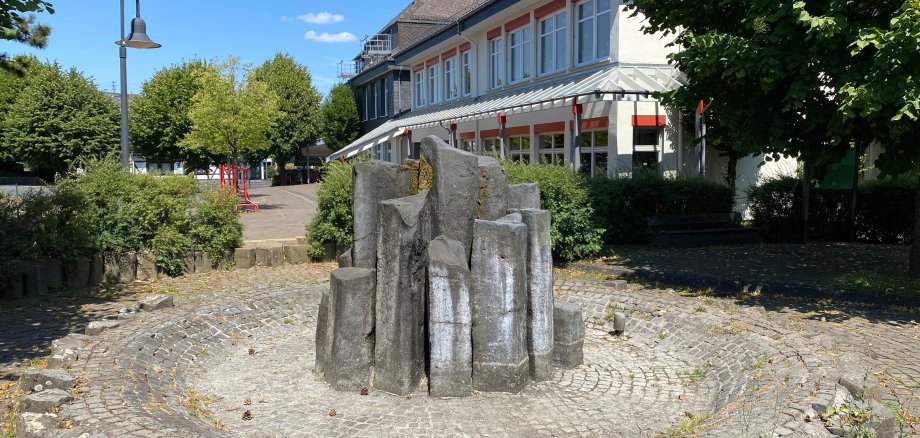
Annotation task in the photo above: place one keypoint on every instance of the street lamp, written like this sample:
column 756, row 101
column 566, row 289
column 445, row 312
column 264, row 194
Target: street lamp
column 138, row 39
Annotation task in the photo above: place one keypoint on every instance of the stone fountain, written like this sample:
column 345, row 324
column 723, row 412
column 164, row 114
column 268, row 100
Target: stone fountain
column 448, row 284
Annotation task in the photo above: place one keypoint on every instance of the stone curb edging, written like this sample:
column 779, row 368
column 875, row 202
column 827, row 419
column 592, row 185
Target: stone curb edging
column 725, row 287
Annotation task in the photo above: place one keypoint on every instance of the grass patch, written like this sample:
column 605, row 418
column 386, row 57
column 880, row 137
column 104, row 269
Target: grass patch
column 730, row 327
column 694, row 424
column 199, row 406
column 885, row 282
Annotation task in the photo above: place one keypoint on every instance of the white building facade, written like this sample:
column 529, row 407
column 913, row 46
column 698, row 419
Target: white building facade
column 538, row 66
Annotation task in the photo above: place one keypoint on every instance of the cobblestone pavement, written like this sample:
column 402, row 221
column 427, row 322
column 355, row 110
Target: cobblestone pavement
column 749, row 366
column 284, row 211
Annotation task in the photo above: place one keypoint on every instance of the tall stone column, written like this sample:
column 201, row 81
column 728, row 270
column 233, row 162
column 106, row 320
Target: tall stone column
column 401, row 245
column 524, row 196
column 499, row 306
column 452, row 198
column 349, row 353
column 372, row 182
column 449, row 320
column 492, row 197
column 540, row 293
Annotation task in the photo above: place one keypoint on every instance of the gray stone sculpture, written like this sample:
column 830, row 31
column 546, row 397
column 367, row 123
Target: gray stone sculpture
column 449, row 278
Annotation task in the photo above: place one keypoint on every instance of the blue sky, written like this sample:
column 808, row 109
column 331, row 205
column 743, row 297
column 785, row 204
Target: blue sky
column 316, row 33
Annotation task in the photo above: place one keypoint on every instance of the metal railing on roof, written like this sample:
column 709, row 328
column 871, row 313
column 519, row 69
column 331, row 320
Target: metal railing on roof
column 377, row 45
column 350, row 68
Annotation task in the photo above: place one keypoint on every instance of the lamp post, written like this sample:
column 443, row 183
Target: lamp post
column 138, row 39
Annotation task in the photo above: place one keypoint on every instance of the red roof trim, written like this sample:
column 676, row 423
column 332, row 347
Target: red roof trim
column 465, row 46
column 432, row 61
column 449, row 53
column 549, row 8
column 494, row 33
column 649, row 121
column 542, row 128
column 523, row 20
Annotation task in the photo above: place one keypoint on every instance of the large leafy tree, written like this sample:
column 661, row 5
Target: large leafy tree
column 58, row 119
column 298, row 100
column 160, row 115
column 886, row 99
column 12, row 82
column 231, row 115
column 340, row 121
column 17, row 23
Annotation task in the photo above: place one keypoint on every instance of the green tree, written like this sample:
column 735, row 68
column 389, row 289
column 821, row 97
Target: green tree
column 299, row 103
column 231, row 115
column 340, row 121
column 18, row 24
column 58, row 119
column 886, row 99
column 12, row 82
column 160, row 115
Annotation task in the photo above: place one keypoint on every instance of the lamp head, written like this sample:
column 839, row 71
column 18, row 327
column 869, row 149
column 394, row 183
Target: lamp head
column 138, row 38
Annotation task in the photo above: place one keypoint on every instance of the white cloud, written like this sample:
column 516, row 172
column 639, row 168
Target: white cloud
column 285, row 18
column 321, row 18
column 325, row 37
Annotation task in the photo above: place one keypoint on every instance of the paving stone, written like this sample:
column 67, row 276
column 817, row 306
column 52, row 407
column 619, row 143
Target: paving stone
column 452, row 199
column 32, row 424
column 372, row 182
column 499, row 306
column 156, row 302
column 539, row 292
column 524, row 196
column 244, row 258
column 296, row 254
column 449, row 320
column 96, row 327
column 399, row 362
column 350, row 354
column 492, row 197
column 45, row 401
column 67, row 350
column 49, row 379
column 569, row 334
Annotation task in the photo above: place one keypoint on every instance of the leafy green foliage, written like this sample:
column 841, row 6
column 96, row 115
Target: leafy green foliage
column 340, row 121
column 17, row 23
column 623, row 205
column 333, row 221
column 231, row 114
column 299, row 103
column 58, row 119
column 880, row 213
column 564, row 193
column 160, row 115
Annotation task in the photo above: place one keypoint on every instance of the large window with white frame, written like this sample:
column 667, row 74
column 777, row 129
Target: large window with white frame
column 592, row 36
column 491, row 147
column 496, row 63
column 419, row 88
column 552, row 43
column 552, row 148
column 519, row 148
column 433, row 95
column 519, row 65
column 466, row 73
column 451, row 91
column 594, row 152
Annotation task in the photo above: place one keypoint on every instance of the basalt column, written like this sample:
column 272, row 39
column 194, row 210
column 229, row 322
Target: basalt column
column 372, row 182
column 540, row 293
column 449, row 320
column 452, row 198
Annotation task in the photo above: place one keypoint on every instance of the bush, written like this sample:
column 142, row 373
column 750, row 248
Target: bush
column 574, row 234
column 884, row 211
column 623, row 205
column 333, row 221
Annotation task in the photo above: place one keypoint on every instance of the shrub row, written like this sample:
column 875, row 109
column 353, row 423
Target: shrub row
column 332, row 223
column 106, row 209
column 623, row 205
column 884, row 211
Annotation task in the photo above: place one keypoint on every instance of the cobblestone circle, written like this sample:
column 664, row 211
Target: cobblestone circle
column 239, row 363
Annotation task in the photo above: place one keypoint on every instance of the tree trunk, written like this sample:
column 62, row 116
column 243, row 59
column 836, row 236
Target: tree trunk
column 731, row 175
column 281, row 177
column 806, row 197
column 915, row 246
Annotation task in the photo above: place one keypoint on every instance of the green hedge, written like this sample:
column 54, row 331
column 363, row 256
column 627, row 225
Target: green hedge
column 105, row 209
column 884, row 211
column 332, row 223
column 564, row 193
column 623, row 205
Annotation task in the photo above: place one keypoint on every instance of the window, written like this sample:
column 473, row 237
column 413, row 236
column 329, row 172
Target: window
column 594, row 152
column 519, row 55
column 496, row 69
column 645, row 148
column 552, row 148
column 366, row 100
column 419, row 89
column 383, row 98
column 592, row 41
column 646, row 160
column 450, row 79
column 552, row 43
column 433, row 95
column 372, row 99
column 519, row 149
column 646, row 136
column 469, row 146
column 490, row 146
column 466, row 73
